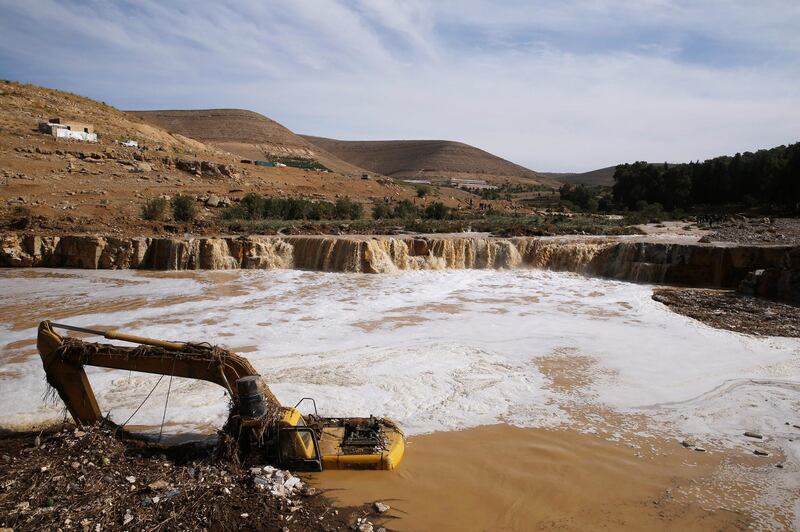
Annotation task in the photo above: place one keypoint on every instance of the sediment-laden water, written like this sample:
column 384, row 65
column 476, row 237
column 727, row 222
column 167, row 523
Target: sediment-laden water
column 434, row 350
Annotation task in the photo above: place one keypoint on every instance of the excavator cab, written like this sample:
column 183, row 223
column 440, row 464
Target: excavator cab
column 264, row 431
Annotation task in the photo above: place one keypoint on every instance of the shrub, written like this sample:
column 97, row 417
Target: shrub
column 423, row 190
column 251, row 207
column 346, row 209
column 381, row 211
column 406, row 210
column 436, row 211
column 155, row 209
column 183, row 208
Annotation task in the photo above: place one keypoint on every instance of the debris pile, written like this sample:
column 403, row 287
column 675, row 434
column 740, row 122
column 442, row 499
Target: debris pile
column 86, row 479
column 726, row 309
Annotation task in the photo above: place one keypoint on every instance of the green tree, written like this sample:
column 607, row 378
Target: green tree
column 406, row 210
column 183, row 208
column 436, row 211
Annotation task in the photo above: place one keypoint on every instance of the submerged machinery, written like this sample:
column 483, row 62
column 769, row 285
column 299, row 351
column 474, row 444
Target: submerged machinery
column 259, row 427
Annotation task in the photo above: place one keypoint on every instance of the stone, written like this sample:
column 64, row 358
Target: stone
column 759, row 452
column 75, row 465
column 131, row 479
column 213, row 201
column 365, row 527
column 127, row 518
column 255, row 470
column 753, row 435
column 158, row 485
column 292, row 482
column 381, row 507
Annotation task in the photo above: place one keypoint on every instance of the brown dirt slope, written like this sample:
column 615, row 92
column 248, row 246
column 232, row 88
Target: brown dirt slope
column 244, row 133
column 23, row 106
column 55, row 186
column 423, row 159
column 600, row 177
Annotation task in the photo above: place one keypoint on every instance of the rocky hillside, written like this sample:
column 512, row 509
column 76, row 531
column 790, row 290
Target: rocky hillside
column 245, row 133
column 50, row 185
column 422, row 159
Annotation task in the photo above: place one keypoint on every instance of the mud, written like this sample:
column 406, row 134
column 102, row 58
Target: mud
column 505, row 478
column 65, row 478
column 727, row 309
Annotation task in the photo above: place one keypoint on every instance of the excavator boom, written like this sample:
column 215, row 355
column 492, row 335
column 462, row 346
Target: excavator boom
column 257, row 422
column 64, row 358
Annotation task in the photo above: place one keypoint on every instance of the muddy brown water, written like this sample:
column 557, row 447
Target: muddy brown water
column 500, row 477
column 504, row 478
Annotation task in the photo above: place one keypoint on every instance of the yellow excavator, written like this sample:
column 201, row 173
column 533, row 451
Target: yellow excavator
column 262, row 430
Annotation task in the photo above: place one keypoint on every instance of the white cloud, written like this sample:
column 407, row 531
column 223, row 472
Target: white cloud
column 552, row 85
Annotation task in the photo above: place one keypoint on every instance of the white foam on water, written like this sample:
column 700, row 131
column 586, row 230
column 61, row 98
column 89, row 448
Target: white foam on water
column 433, row 350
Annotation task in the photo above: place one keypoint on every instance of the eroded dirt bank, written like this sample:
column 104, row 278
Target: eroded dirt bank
column 692, row 264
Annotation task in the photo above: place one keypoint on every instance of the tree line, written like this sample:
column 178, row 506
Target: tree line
column 766, row 177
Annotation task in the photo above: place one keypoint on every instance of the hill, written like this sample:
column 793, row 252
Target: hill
column 600, row 177
column 245, row 133
column 53, row 185
column 428, row 159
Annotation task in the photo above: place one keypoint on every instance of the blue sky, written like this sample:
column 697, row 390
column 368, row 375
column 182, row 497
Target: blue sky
column 554, row 85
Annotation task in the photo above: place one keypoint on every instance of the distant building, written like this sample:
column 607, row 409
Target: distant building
column 478, row 184
column 68, row 130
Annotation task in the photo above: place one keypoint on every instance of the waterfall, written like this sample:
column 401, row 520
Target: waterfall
column 656, row 262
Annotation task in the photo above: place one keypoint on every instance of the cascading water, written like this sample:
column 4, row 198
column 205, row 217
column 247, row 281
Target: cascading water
column 690, row 264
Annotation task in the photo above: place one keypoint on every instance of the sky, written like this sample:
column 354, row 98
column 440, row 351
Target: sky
column 554, row 85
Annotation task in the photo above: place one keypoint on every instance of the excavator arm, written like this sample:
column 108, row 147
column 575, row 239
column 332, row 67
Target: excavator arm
column 64, row 360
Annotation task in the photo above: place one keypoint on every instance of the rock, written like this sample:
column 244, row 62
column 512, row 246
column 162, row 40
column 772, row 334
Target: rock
column 292, row 482
column 245, row 515
column 759, row 452
column 106, row 460
column 309, row 491
column 79, row 433
column 158, row 485
column 75, row 465
column 687, row 443
column 699, row 449
column 753, row 435
column 127, row 518
column 365, row 527
column 255, row 470
column 261, row 483
column 142, row 167
column 171, row 493
column 381, row 508
column 213, row 201
column 131, row 479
